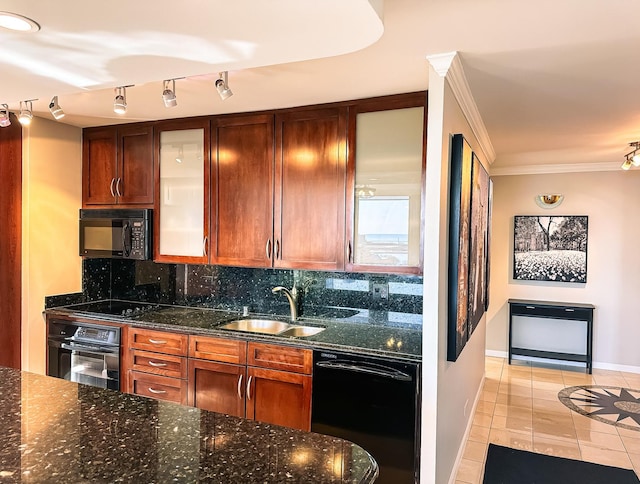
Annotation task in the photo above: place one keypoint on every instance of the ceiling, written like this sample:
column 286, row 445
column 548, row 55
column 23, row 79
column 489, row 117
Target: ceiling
column 555, row 82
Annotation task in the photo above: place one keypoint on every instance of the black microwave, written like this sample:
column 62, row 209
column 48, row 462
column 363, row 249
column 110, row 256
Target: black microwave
column 116, row 233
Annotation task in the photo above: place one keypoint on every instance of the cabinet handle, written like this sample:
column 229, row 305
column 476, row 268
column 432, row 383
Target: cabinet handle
column 157, row 392
column 530, row 307
column 156, row 364
column 268, row 249
column 349, row 251
column 118, row 186
column 158, row 341
column 277, row 255
column 240, row 386
column 569, row 310
column 249, row 388
column 205, row 242
column 113, row 194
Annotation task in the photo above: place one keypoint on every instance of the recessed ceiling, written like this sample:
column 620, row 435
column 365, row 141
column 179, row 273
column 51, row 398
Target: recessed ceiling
column 555, row 82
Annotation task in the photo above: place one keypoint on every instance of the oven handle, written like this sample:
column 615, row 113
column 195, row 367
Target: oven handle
column 96, row 350
column 377, row 370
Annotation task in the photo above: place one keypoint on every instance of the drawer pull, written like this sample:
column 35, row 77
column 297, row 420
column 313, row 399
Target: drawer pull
column 569, row 310
column 530, row 307
column 157, row 392
column 156, row 364
column 158, row 341
column 239, row 386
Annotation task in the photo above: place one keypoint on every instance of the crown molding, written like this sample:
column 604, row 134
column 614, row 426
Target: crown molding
column 556, row 168
column 449, row 66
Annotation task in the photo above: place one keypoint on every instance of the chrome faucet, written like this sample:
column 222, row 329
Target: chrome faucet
column 292, row 296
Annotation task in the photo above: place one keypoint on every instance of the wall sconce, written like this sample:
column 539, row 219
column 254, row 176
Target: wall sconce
column 633, row 157
column 548, row 200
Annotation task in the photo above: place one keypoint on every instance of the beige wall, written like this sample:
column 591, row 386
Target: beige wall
column 449, row 389
column 610, row 199
column 51, row 197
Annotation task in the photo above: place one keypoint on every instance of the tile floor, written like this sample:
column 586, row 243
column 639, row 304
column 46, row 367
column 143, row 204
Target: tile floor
column 519, row 408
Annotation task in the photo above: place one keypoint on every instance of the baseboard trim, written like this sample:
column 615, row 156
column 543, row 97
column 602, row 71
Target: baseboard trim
column 454, row 473
column 596, row 364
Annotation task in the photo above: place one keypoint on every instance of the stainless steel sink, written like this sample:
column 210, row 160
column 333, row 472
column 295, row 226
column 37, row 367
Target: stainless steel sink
column 301, row 331
column 271, row 326
column 267, row 326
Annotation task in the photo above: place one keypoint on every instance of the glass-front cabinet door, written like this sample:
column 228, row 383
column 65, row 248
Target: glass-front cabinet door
column 386, row 174
column 182, row 204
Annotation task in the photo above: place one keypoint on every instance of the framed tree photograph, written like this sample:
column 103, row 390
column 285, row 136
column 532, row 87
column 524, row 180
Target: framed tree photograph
column 550, row 248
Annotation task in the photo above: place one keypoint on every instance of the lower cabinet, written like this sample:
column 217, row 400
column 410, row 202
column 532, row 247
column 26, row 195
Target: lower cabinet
column 246, row 380
column 157, row 365
column 266, row 382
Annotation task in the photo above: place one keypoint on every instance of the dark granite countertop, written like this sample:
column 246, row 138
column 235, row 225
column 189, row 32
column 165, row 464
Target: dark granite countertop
column 358, row 331
column 54, row 430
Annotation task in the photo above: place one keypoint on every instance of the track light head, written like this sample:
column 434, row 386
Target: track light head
column 26, row 112
column 55, row 109
column 5, row 120
column 120, row 101
column 169, row 95
column 222, row 85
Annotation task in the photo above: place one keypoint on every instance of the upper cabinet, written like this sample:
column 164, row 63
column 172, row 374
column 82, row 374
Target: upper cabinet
column 118, row 166
column 310, row 179
column 387, row 144
column 242, row 202
column 183, row 179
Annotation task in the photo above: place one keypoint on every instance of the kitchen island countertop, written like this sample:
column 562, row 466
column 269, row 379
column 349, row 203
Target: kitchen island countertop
column 59, row 431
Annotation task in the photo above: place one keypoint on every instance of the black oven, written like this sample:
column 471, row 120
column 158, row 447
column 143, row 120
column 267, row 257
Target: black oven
column 84, row 353
column 116, row 233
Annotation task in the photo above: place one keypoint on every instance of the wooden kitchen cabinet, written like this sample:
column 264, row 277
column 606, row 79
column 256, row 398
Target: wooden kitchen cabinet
column 275, row 396
column 247, row 380
column 310, row 178
column 386, row 169
column 181, row 221
column 117, row 166
column 242, row 223
column 157, row 364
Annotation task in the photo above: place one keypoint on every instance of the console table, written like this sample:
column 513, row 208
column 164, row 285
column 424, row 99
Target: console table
column 562, row 331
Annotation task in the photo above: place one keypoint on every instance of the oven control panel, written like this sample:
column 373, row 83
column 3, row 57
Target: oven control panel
column 97, row 335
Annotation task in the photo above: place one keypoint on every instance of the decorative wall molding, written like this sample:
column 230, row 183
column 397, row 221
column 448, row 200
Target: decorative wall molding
column 449, row 66
column 559, row 168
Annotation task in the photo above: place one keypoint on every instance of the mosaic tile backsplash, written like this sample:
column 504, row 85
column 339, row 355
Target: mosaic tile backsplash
column 221, row 287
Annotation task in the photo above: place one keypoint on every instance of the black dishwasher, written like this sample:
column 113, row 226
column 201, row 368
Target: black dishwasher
column 373, row 402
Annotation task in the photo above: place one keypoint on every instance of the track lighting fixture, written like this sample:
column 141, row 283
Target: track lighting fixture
column 120, row 101
column 169, row 95
column 5, row 120
column 26, row 112
column 222, row 85
column 55, row 109
column 633, row 157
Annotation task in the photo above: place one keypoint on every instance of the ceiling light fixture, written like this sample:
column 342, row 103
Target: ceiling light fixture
column 5, row 119
column 222, row 85
column 20, row 23
column 120, row 101
column 633, row 157
column 26, row 112
column 549, row 200
column 55, row 109
column 169, row 95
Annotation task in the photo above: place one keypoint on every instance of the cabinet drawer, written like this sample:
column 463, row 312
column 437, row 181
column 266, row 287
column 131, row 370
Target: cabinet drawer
column 159, row 364
column 277, row 357
column 160, row 341
column 158, row 387
column 218, row 349
column 542, row 311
